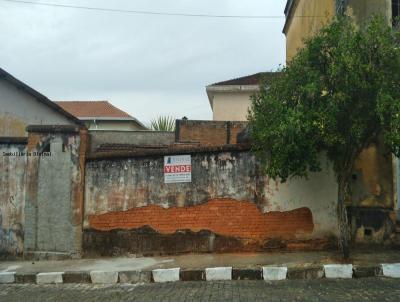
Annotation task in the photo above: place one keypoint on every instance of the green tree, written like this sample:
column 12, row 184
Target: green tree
column 163, row 123
column 337, row 96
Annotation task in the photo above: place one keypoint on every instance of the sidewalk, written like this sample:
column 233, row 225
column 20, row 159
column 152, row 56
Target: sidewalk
column 202, row 261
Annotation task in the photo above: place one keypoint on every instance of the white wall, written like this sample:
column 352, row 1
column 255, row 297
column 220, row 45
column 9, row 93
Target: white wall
column 19, row 109
column 318, row 193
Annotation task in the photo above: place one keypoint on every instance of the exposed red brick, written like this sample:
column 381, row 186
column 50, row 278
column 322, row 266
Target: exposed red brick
column 222, row 216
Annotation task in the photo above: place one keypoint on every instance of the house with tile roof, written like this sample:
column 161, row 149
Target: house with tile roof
column 101, row 115
column 21, row 105
column 230, row 100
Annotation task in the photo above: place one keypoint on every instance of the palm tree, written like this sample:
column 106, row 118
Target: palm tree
column 163, row 123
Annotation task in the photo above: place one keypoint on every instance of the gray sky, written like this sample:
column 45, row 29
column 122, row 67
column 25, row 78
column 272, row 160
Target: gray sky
column 145, row 65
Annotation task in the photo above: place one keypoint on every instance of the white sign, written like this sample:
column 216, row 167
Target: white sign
column 177, row 168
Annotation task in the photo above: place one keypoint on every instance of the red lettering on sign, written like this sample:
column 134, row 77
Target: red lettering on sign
column 178, row 169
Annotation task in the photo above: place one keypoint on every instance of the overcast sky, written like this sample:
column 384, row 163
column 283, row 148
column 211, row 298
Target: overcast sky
column 145, row 65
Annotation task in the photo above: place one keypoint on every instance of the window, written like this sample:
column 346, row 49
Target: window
column 395, row 10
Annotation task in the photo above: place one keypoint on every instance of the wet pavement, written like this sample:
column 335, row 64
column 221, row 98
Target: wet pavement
column 356, row 290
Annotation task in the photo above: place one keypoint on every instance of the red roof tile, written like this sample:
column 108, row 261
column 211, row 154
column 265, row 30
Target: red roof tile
column 92, row 109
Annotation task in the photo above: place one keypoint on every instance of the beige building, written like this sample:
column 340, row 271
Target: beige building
column 101, row 115
column 230, row 100
column 305, row 17
column 21, row 105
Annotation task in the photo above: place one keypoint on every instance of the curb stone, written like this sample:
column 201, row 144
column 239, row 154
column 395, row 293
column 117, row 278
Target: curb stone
column 77, row 277
column 269, row 273
column 246, row 274
column 366, row 271
column 7, row 277
column 192, row 275
column 391, row 270
column 133, row 277
column 307, row 273
column 25, row 278
column 338, row 271
column 103, row 277
column 49, row 278
column 166, row 275
column 218, row 273
column 274, row 273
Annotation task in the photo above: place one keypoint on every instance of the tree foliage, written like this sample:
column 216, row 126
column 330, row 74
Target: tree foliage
column 340, row 93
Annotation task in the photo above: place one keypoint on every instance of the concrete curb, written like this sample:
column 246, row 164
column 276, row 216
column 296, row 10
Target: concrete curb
column 268, row 273
column 7, row 277
column 338, row 271
column 218, row 273
column 274, row 273
column 49, row 278
column 166, row 275
column 391, row 270
column 103, row 277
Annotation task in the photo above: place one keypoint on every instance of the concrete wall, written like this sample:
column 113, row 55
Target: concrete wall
column 231, row 106
column 113, row 125
column 19, row 109
column 54, row 197
column 228, row 206
column 138, row 138
column 12, row 198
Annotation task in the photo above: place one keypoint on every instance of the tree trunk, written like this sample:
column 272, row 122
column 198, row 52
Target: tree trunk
column 344, row 233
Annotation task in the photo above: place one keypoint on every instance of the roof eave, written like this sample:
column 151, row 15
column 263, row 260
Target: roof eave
column 38, row 96
column 212, row 89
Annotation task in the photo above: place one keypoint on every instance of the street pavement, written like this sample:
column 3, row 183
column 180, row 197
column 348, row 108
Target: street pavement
column 366, row 289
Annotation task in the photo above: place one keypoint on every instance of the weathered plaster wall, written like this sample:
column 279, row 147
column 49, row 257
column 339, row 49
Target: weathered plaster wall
column 137, row 138
column 18, row 109
column 226, row 207
column 306, row 19
column 12, row 198
column 361, row 11
column 54, row 200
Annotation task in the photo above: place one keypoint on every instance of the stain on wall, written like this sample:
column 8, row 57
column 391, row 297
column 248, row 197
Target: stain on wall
column 12, row 198
column 372, row 184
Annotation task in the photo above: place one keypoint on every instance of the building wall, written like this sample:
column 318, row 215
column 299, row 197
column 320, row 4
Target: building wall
column 307, row 18
column 312, row 15
column 228, row 206
column 12, row 198
column 361, row 11
column 18, row 109
column 231, row 106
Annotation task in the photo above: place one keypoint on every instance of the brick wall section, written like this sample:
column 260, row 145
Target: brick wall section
column 222, row 216
column 208, row 132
